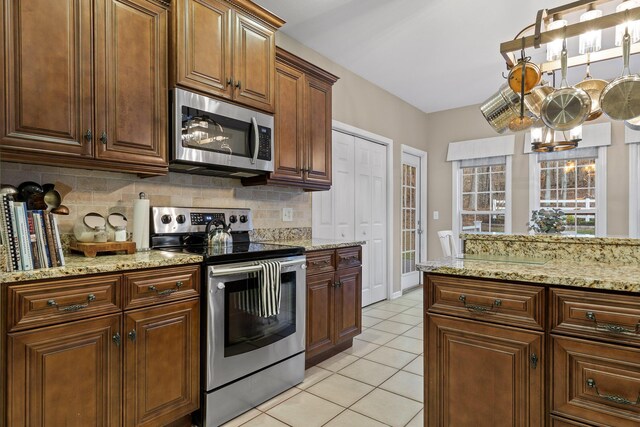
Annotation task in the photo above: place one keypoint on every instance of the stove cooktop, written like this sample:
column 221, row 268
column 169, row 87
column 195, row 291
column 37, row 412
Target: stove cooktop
column 245, row 251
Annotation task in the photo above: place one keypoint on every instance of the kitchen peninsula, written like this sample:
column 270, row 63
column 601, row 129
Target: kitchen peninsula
column 549, row 340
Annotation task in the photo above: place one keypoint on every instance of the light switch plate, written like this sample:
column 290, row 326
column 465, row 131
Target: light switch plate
column 287, row 214
column 436, row 215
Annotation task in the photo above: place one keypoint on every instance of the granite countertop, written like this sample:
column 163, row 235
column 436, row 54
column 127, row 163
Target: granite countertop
column 606, row 276
column 318, row 244
column 77, row 265
column 551, row 238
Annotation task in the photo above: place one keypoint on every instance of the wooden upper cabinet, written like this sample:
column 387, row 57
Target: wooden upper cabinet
column 203, row 46
column 132, row 125
column 318, row 120
column 221, row 50
column 84, row 83
column 289, row 124
column 46, row 91
column 254, row 62
column 67, row 375
column 302, row 145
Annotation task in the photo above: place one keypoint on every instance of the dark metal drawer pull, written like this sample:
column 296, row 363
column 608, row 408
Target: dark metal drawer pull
column 591, row 383
column 611, row 327
column 337, row 284
column 480, row 308
column 533, row 360
column 116, row 339
column 166, row 291
column 323, row 262
column 350, row 258
column 72, row 307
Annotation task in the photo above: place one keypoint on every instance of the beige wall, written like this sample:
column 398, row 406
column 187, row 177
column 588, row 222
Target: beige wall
column 362, row 104
column 468, row 123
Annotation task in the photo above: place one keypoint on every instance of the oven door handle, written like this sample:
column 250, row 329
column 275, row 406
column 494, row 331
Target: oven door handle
column 250, row 268
column 256, row 140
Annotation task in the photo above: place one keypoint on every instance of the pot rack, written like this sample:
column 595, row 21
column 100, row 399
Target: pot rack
column 540, row 37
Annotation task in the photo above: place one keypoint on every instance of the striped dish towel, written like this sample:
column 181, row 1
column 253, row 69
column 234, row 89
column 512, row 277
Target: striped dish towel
column 263, row 300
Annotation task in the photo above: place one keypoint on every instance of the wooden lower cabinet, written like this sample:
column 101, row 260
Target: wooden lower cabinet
column 84, row 367
column 485, row 376
column 66, row 375
column 334, row 304
column 161, row 358
column 479, row 369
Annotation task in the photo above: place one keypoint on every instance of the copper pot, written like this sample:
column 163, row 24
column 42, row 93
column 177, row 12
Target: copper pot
column 531, row 76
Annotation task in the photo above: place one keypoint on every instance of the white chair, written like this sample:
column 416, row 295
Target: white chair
column 448, row 243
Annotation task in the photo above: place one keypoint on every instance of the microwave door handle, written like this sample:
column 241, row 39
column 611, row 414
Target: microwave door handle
column 254, row 122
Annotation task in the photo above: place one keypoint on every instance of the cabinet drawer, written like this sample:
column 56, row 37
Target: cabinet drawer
column 149, row 287
column 595, row 383
column 609, row 317
column 47, row 303
column 349, row 257
column 561, row 422
column 511, row 304
column 321, row 262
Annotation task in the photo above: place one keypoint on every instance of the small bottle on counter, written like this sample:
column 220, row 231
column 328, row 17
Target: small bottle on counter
column 99, row 234
column 120, row 234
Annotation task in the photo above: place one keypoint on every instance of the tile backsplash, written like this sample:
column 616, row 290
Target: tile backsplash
column 107, row 192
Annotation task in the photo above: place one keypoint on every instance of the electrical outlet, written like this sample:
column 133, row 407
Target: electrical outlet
column 436, row 215
column 287, row 214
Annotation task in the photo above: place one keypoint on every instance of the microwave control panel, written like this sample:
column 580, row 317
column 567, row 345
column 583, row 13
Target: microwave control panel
column 264, row 143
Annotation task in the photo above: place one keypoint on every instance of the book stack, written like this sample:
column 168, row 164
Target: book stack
column 31, row 237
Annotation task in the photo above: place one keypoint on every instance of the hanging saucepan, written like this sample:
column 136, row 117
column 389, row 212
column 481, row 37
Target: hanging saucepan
column 633, row 124
column 531, row 77
column 534, row 99
column 594, row 88
column 620, row 100
column 521, row 122
column 566, row 107
column 502, row 107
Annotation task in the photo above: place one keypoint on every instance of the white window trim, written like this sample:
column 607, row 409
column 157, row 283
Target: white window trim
column 457, row 198
column 634, row 187
column 601, row 189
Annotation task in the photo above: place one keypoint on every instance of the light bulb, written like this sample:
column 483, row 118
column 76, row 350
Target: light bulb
column 575, row 134
column 590, row 41
column 633, row 26
column 554, row 48
column 536, row 134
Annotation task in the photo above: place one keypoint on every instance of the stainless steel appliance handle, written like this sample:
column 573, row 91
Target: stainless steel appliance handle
column 256, row 140
column 251, row 268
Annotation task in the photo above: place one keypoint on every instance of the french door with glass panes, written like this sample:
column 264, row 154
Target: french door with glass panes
column 411, row 215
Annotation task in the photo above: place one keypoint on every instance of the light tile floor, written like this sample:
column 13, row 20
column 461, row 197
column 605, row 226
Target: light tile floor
column 377, row 382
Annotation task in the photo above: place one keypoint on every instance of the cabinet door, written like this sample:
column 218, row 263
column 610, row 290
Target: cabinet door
column 161, row 368
column 202, row 43
column 66, row 375
column 482, row 375
column 46, row 91
column 289, row 124
column 348, row 304
column 318, row 132
column 320, row 313
column 254, row 62
column 132, row 83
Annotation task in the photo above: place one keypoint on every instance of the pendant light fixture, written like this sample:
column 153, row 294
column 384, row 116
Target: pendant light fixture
column 554, row 48
column 590, row 41
column 633, row 26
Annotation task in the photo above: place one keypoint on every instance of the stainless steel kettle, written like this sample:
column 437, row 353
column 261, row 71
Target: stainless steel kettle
column 219, row 239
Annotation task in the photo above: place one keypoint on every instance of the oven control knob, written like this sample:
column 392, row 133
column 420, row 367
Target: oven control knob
column 233, row 219
column 243, row 218
column 166, row 219
column 220, row 285
column 181, row 219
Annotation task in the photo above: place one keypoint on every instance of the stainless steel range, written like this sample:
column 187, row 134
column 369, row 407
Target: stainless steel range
column 248, row 357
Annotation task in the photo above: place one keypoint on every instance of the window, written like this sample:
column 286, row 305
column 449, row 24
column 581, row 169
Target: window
column 482, row 195
column 572, row 181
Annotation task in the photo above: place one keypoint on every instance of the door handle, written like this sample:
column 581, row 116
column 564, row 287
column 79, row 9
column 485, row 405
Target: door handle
column 256, row 140
column 239, row 84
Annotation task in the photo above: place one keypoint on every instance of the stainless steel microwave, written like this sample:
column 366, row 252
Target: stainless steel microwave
column 213, row 137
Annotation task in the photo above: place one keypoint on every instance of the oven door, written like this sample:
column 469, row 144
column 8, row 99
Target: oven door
column 240, row 342
column 218, row 134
